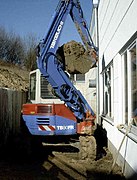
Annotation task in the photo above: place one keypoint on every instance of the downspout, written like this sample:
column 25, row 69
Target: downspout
column 95, row 7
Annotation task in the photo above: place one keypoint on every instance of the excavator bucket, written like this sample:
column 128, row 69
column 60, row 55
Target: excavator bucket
column 76, row 59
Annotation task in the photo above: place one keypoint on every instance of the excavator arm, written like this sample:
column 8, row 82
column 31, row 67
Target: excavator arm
column 53, row 70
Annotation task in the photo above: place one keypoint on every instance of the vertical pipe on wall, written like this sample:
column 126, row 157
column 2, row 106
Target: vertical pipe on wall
column 95, row 7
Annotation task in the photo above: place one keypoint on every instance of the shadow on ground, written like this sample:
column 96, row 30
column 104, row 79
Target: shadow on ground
column 19, row 161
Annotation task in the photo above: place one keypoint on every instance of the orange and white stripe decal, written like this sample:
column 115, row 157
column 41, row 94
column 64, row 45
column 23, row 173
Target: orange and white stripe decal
column 46, row 128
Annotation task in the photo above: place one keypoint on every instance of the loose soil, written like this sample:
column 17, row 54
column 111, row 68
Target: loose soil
column 77, row 59
column 56, row 163
column 13, row 77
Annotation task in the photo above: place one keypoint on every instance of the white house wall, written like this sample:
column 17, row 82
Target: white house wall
column 117, row 90
column 90, row 93
column 117, row 24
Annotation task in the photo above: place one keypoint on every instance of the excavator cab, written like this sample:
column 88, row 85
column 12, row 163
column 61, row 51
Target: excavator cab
column 46, row 114
column 40, row 90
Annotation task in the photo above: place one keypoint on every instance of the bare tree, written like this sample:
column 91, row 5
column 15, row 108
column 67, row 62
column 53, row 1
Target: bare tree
column 12, row 48
column 15, row 50
column 4, row 43
column 30, row 60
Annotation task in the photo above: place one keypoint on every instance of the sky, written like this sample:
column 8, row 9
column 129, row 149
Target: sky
column 32, row 17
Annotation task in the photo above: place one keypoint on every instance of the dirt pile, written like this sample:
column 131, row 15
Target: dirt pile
column 13, row 77
column 87, row 169
column 77, row 59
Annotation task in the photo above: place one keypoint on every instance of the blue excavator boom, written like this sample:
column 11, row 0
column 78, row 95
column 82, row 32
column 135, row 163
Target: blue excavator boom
column 52, row 69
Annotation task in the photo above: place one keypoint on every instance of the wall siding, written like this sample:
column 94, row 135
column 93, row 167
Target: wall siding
column 116, row 27
column 114, row 32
